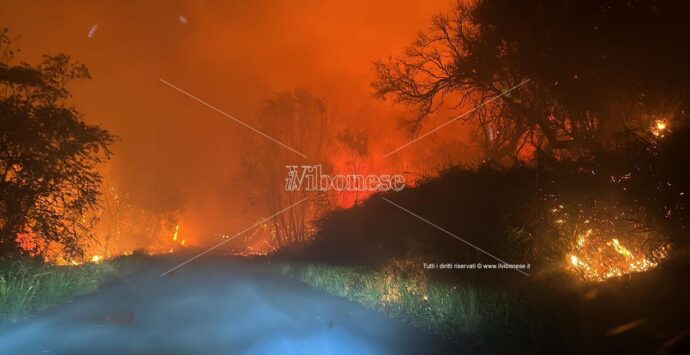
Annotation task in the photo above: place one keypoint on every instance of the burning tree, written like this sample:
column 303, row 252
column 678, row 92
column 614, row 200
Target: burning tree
column 48, row 154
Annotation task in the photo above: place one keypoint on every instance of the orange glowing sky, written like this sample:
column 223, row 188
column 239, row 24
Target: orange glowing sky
column 230, row 54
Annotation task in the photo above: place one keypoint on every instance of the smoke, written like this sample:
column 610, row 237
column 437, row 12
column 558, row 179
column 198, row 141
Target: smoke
column 232, row 55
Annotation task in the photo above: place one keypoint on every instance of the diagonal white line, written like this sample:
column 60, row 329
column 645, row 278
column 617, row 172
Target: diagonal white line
column 450, row 234
column 233, row 237
column 231, row 117
column 456, row 118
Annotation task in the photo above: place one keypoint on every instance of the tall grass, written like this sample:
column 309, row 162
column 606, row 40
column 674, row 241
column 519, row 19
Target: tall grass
column 28, row 286
column 455, row 311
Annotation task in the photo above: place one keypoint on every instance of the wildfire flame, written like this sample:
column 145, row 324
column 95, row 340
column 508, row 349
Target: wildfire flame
column 597, row 259
column 660, row 127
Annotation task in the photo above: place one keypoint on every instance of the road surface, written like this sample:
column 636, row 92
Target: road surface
column 215, row 305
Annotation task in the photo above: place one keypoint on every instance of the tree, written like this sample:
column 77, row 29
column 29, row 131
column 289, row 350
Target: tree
column 130, row 221
column 356, row 143
column 593, row 73
column 48, row 154
column 299, row 120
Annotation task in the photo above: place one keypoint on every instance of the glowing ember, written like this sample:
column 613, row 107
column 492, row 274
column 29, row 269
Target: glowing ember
column 660, row 127
column 96, row 259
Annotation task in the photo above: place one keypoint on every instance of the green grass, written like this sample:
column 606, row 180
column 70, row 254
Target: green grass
column 457, row 312
column 28, row 286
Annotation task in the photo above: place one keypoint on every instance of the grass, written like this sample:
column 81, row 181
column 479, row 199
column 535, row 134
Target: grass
column 28, row 286
column 402, row 291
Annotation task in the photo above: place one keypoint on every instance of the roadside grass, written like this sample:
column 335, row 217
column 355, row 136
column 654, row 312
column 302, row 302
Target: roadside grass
column 28, row 286
column 458, row 312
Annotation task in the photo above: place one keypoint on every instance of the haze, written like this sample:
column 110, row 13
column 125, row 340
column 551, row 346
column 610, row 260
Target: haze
column 229, row 54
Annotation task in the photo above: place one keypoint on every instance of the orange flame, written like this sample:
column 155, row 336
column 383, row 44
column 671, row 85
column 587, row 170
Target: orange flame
column 597, row 259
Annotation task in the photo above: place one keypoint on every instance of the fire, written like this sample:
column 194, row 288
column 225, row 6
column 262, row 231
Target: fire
column 61, row 261
column 606, row 240
column 177, row 230
column 660, row 127
column 598, row 259
column 621, row 249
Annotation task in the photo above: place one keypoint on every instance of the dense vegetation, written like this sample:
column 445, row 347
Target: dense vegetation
column 554, row 76
column 373, row 254
column 28, row 286
column 49, row 184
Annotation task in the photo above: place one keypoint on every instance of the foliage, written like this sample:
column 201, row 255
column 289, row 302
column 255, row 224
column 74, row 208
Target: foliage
column 635, row 193
column 587, row 71
column 48, row 154
column 483, row 207
column 639, row 184
column 128, row 221
column 464, row 312
column 298, row 119
column 356, row 143
column 28, row 286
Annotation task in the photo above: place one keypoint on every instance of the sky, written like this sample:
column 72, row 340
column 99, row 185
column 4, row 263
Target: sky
column 231, row 55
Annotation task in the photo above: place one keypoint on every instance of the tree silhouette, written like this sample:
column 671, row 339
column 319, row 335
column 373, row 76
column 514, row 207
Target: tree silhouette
column 298, row 119
column 48, row 154
column 599, row 71
column 356, row 143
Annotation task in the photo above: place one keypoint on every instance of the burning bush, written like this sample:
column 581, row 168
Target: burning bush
column 592, row 240
column 603, row 247
column 615, row 212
